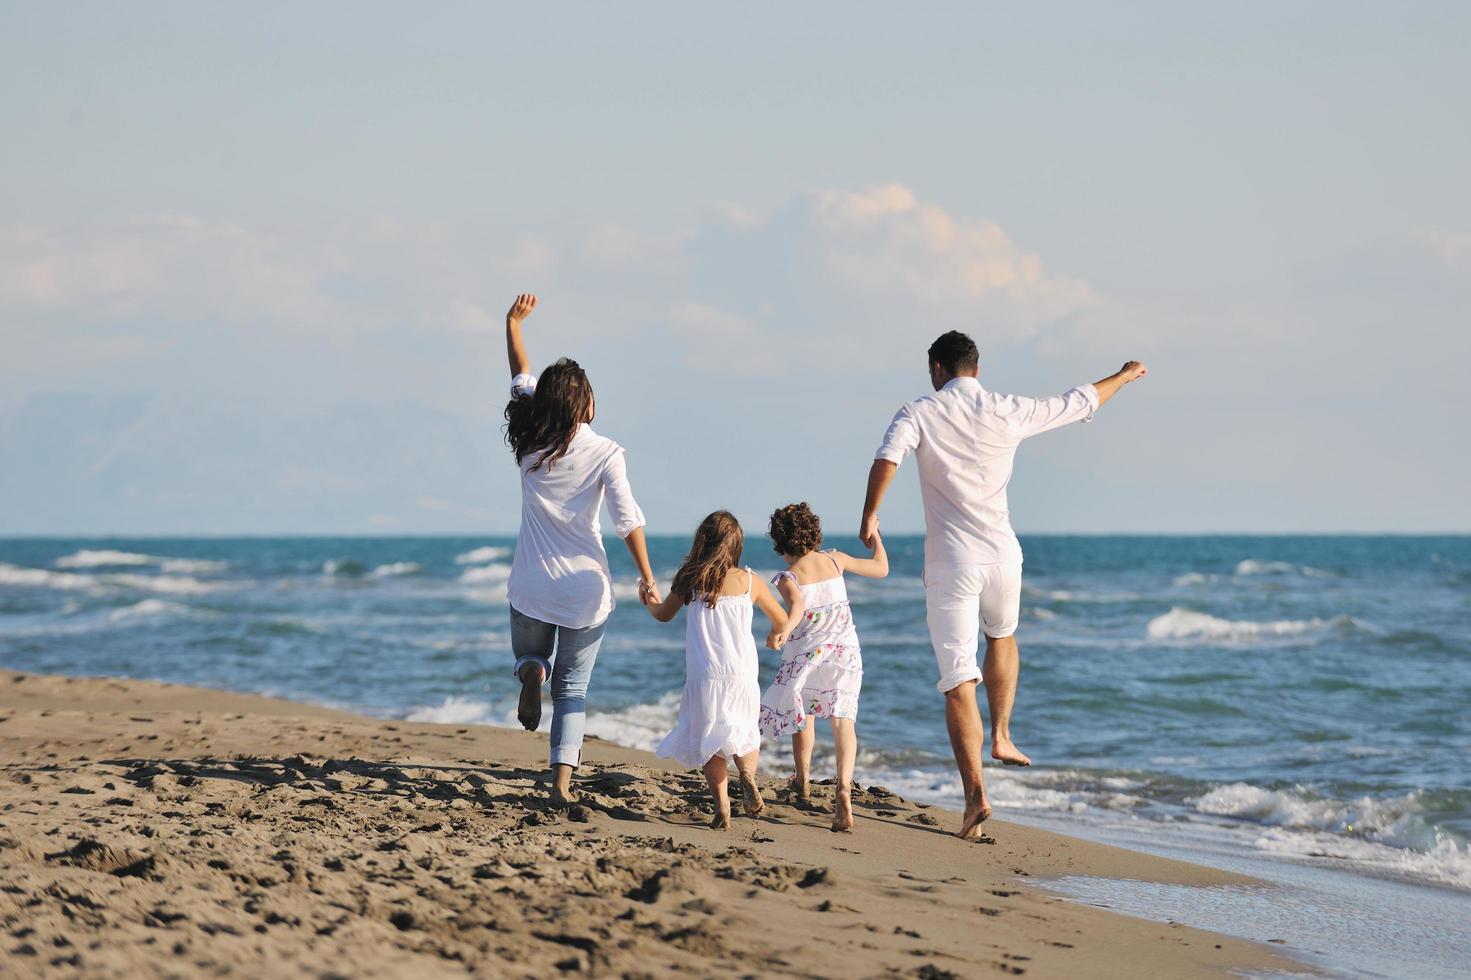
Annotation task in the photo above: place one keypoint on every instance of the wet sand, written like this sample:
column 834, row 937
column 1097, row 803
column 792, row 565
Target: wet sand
column 158, row 830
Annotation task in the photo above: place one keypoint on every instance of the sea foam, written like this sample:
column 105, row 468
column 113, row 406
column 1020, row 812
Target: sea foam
column 480, row 556
column 146, row 609
column 99, row 559
column 1187, row 624
column 87, row 558
column 395, row 569
column 176, row 584
column 1258, row 566
column 43, row 578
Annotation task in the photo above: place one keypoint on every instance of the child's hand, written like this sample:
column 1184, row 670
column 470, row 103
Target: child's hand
column 521, row 309
column 775, row 640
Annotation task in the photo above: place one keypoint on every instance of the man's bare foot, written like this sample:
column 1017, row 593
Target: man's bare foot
column 751, row 800
column 842, row 811
column 1003, row 750
column 528, row 710
column 721, row 820
column 801, row 787
column 977, row 810
column 564, row 798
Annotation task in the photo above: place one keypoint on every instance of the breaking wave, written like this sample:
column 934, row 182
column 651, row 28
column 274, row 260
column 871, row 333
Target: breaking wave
column 395, row 569
column 481, row 556
column 104, row 558
column 1258, row 566
column 1187, row 624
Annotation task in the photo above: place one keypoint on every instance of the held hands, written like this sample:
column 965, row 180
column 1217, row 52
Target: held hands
column 521, row 308
column 868, row 531
column 1131, row 371
column 648, row 593
column 776, row 639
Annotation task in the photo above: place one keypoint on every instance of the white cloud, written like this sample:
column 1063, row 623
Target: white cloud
column 851, row 279
column 374, row 274
column 848, row 277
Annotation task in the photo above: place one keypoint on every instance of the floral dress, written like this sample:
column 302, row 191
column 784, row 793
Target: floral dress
column 821, row 667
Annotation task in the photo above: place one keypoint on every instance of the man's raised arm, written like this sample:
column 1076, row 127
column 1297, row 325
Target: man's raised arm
column 1109, row 386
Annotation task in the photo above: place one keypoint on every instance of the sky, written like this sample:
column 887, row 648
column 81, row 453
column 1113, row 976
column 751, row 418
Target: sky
column 254, row 261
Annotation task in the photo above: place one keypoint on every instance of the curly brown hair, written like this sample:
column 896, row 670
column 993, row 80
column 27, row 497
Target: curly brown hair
column 795, row 530
column 714, row 552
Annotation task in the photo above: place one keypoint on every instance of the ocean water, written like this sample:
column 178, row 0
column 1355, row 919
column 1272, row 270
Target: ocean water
column 1280, row 703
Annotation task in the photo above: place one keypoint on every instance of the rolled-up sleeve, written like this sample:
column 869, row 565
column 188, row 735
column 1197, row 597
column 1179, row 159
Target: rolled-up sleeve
column 523, row 386
column 1037, row 415
column 902, row 437
column 627, row 517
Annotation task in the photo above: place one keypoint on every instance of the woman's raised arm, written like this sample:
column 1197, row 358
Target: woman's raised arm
column 515, row 347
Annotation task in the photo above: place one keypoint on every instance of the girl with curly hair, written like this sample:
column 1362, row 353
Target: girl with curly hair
column 821, row 666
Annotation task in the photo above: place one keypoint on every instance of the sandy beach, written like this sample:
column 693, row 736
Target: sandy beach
column 160, row 830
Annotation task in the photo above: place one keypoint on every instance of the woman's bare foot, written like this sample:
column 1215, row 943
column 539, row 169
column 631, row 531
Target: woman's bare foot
column 977, row 810
column 801, row 787
column 842, row 811
column 528, row 710
column 721, row 820
column 751, row 799
column 1003, row 750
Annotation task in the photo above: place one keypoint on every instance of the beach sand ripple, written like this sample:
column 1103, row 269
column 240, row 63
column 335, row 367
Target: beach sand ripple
column 155, row 830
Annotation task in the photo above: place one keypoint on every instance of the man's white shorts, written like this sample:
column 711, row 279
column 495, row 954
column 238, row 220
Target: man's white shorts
column 959, row 601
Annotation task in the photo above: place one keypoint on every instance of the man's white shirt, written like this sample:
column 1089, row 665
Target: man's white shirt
column 964, row 440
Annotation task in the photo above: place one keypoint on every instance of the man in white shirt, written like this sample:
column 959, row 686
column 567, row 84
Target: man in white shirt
column 964, row 439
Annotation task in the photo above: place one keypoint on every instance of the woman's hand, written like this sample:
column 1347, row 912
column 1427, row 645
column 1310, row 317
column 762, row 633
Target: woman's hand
column 648, row 592
column 521, row 309
column 515, row 346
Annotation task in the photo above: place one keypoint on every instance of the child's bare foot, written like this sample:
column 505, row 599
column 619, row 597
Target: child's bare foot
column 721, row 820
column 977, row 810
column 801, row 787
column 751, row 799
column 528, row 710
column 842, row 811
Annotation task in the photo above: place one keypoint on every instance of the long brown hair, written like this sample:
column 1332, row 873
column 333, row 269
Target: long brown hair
column 715, row 551
column 546, row 422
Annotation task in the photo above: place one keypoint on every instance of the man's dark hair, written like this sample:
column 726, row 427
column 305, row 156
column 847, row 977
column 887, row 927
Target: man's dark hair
column 955, row 352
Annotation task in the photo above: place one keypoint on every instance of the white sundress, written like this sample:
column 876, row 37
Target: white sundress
column 721, row 698
column 821, row 666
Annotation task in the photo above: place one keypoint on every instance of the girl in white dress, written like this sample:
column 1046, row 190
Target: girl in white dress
column 718, row 709
column 821, row 668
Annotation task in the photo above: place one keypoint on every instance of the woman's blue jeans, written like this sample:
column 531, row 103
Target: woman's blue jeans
column 569, row 670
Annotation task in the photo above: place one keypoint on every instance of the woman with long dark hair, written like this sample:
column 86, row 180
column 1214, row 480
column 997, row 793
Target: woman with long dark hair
column 561, row 590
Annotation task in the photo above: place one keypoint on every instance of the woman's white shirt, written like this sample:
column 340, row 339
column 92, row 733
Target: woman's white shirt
column 560, row 573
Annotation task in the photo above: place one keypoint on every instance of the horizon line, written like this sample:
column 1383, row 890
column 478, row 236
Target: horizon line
column 448, row 535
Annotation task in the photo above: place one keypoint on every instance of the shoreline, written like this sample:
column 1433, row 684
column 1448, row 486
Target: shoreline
column 153, row 828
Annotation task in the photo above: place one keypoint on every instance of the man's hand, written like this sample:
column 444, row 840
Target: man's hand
column 1109, row 386
column 868, row 531
column 521, row 309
